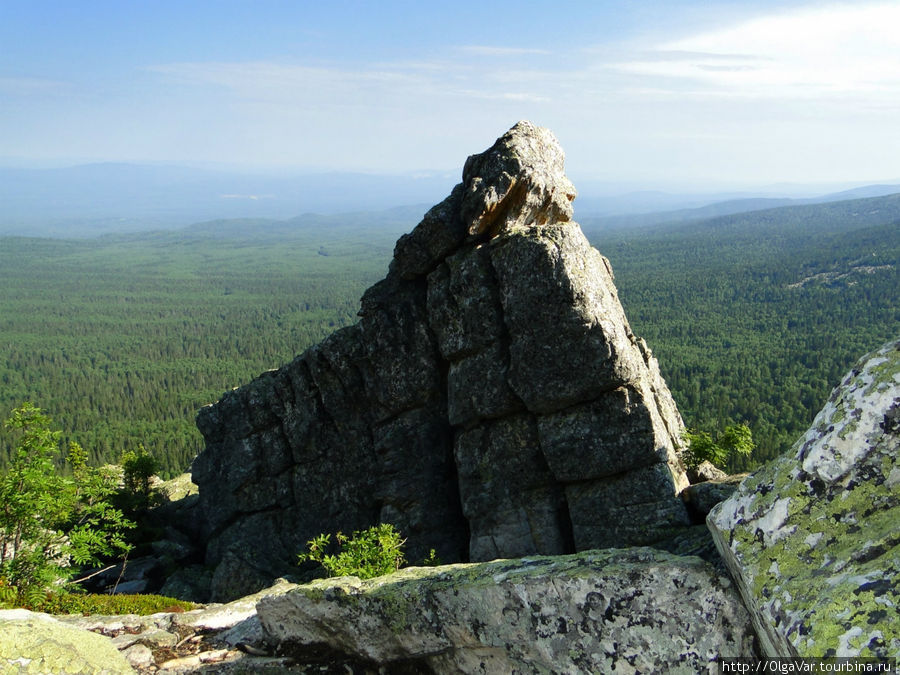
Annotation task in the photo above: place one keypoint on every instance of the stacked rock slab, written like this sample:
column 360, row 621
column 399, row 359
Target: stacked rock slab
column 491, row 402
column 813, row 538
column 634, row 610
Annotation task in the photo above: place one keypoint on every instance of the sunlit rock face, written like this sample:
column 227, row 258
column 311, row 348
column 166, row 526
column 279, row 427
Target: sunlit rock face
column 491, row 402
column 32, row 642
column 632, row 610
column 813, row 539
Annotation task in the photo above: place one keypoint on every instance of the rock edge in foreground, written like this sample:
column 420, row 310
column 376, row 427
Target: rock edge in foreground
column 812, row 538
column 641, row 609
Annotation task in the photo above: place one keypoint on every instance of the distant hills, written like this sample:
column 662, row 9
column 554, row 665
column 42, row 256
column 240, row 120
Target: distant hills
column 799, row 218
column 313, row 226
column 727, row 207
column 97, row 199
column 94, row 199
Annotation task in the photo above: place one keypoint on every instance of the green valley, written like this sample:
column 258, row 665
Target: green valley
column 121, row 338
column 755, row 317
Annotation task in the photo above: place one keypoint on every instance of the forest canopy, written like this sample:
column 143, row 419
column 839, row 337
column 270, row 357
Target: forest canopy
column 121, row 339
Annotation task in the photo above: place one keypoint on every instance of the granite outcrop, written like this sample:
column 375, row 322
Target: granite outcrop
column 636, row 610
column 812, row 538
column 492, row 401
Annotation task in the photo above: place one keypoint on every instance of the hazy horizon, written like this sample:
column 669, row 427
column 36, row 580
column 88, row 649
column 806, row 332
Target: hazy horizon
column 102, row 198
column 689, row 95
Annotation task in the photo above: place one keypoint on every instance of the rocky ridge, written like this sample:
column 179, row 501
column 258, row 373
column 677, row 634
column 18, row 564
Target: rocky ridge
column 810, row 539
column 491, row 402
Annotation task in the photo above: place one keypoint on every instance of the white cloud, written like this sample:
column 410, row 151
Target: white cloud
column 817, row 51
column 374, row 86
column 283, row 82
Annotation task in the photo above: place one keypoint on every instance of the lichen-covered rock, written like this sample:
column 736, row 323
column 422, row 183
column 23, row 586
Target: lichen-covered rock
column 37, row 643
column 491, row 402
column 636, row 610
column 813, row 539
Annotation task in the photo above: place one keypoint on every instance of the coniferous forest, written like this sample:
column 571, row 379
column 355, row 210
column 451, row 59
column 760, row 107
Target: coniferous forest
column 120, row 339
column 756, row 317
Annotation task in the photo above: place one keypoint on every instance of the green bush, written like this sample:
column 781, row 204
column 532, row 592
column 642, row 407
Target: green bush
column 734, row 440
column 365, row 554
column 432, row 560
column 50, row 523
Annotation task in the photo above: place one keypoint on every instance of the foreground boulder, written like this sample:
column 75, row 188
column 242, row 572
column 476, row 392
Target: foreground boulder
column 814, row 537
column 491, row 402
column 37, row 643
column 700, row 498
column 636, row 610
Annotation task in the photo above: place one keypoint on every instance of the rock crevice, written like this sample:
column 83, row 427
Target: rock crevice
column 491, row 402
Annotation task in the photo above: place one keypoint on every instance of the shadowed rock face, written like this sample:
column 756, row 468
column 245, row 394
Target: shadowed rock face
column 491, row 402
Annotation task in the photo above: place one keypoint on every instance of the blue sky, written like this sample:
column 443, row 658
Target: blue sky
column 652, row 93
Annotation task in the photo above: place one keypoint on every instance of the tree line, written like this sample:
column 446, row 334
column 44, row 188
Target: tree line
column 123, row 339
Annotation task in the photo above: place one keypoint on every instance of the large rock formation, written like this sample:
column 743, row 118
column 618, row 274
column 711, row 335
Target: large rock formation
column 491, row 402
column 635, row 610
column 813, row 538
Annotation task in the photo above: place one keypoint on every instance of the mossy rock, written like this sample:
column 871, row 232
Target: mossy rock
column 614, row 610
column 37, row 643
column 812, row 538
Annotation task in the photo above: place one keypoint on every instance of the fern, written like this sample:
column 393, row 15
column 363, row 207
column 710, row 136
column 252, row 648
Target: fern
column 9, row 595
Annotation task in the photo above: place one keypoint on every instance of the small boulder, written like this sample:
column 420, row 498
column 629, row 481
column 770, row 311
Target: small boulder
column 700, row 498
column 705, row 471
